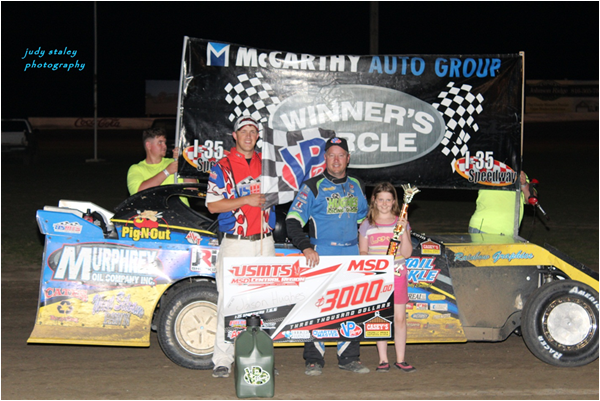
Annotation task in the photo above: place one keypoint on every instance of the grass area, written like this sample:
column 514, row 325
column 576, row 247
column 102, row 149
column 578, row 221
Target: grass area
column 563, row 157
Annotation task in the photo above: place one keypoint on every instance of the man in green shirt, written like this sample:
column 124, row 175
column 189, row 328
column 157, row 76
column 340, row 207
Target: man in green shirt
column 155, row 169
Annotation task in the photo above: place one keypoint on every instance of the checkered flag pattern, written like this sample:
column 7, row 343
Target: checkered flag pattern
column 288, row 159
column 251, row 97
column 458, row 107
column 498, row 167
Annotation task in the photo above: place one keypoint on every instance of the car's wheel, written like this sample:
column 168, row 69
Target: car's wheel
column 560, row 323
column 187, row 326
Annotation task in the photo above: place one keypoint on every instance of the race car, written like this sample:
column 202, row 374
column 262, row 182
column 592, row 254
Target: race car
column 110, row 278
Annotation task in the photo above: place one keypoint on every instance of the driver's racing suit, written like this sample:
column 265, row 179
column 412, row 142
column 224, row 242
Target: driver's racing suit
column 333, row 208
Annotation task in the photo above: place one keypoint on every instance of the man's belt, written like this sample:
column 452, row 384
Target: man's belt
column 316, row 241
column 254, row 237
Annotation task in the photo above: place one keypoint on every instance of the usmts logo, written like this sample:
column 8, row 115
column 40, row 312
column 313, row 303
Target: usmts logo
column 217, row 54
column 268, row 274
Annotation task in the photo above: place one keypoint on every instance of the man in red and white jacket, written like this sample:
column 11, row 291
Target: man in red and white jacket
column 234, row 192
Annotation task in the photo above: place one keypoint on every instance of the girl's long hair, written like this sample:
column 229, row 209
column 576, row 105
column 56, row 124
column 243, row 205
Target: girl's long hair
column 382, row 187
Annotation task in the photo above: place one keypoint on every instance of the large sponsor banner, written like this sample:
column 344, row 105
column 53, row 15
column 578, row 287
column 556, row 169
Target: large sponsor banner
column 435, row 121
column 342, row 298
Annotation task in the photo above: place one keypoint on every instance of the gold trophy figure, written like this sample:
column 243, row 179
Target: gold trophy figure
column 409, row 192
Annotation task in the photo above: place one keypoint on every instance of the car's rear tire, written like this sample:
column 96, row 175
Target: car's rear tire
column 188, row 324
column 560, row 323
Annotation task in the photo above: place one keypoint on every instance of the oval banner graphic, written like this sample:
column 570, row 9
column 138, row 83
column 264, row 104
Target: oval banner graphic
column 384, row 127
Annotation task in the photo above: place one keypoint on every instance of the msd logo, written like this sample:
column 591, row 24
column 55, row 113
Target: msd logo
column 369, row 265
column 217, row 55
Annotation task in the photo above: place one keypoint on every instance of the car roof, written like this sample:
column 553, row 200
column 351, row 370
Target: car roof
column 10, row 124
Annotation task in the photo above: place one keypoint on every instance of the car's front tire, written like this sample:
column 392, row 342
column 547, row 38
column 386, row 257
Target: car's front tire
column 188, row 324
column 560, row 323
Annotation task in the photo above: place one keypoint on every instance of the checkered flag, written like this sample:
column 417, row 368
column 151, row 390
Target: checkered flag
column 458, row 106
column 251, row 97
column 289, row 158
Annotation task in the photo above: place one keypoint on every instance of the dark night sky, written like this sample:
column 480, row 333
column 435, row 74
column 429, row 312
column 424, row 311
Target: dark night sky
column 138, row 41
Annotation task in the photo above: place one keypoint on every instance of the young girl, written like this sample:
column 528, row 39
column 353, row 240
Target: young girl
column 374, row 237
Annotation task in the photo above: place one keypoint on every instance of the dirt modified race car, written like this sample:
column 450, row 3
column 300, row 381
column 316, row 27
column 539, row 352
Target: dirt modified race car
column 111, row 278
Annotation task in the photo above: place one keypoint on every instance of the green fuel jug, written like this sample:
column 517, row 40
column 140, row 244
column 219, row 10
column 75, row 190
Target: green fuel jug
column 254, row 362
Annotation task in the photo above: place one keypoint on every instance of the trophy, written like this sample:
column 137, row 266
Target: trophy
column 409, row 192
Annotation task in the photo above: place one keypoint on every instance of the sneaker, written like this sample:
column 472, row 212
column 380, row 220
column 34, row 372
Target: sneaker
column 405, row 367
column 220, row 372
column 313, row 369
column 355, row 366
column 383, row 367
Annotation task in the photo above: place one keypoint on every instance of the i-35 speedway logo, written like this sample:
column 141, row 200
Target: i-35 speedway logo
column 484, row 169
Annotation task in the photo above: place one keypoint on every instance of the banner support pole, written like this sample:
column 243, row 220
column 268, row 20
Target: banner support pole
column 518, row 205
column 374, row 31
column 95, row 159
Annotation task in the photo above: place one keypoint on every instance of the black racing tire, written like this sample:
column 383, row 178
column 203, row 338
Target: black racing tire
column 560, row 323
column 188, row 325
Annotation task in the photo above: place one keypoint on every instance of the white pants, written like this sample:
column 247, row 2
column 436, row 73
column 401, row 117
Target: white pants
column 223, row 353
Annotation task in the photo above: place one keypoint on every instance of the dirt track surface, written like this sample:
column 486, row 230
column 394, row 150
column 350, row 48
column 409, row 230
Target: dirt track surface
column 505, row 370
